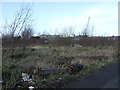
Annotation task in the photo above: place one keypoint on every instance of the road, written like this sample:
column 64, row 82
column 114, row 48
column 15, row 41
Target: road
column 106, row 77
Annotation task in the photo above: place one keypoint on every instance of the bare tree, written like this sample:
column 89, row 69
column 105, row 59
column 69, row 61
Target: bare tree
column 26, row 34
column 17, row 25
column 54, row 32
column 66, row 36
column 67, row 32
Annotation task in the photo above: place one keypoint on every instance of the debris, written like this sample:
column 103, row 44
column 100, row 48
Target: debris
column 70, row 68
column 28, row 78
column 19, row 83
column 31, row 87
column 74, row 68
column 25, row 76
column 60, row 78
column 51, row 71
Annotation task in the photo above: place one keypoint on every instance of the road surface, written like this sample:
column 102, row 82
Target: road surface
column 106, row 77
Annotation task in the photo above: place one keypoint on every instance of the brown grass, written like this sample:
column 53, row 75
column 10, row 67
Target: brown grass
column 50, row 57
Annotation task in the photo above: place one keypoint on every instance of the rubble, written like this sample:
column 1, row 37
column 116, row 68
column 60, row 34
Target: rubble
column 71, row 68
column 43, row 73
column 74, row 68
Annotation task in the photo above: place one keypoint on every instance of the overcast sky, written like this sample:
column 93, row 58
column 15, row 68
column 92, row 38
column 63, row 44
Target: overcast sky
column 51, row 17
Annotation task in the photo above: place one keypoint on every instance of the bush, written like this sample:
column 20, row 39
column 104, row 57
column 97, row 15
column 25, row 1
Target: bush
column 6, row 73
column 62, row 42
column 10, row 75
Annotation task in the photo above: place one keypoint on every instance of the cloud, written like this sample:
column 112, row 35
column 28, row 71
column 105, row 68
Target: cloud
column 104, row 18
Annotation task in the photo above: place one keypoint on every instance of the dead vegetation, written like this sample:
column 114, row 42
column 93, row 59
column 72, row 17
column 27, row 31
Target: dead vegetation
column 57, row 59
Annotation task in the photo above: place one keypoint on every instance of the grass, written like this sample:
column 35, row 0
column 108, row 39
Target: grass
column 50, row 57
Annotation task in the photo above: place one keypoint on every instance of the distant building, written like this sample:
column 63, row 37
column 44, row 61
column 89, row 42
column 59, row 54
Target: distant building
column 49, row 37
column 76, row 38
column 35, row 39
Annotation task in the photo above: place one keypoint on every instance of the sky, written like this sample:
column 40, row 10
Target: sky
column 54, row 17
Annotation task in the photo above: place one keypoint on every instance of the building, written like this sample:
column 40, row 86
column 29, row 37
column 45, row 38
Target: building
column 49, row 37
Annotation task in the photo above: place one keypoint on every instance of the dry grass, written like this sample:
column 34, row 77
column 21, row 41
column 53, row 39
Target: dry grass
column 45, row 57
column 50, row 57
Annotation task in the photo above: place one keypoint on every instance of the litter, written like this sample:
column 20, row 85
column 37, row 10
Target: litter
column 43, row 73
column 31, row 87
column 26, row 77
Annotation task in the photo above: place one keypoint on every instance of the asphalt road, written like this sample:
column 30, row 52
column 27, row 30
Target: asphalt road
column 106, row 77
